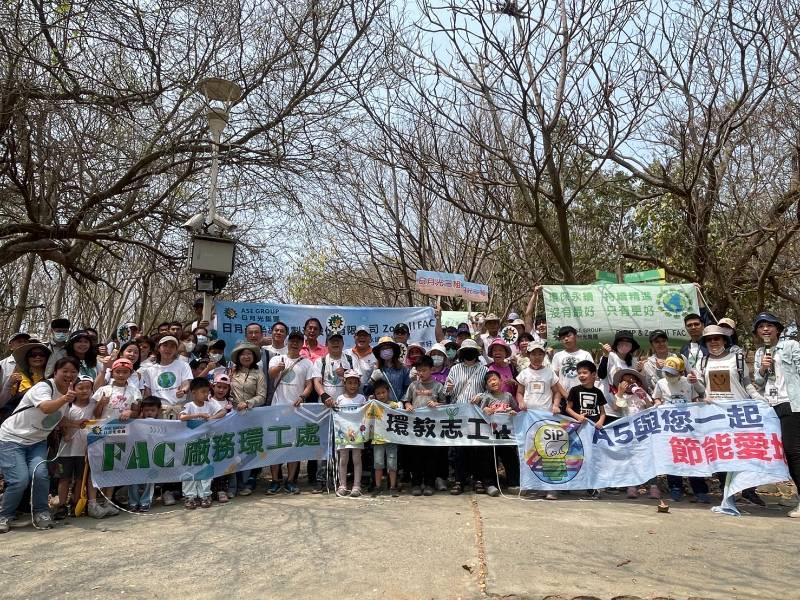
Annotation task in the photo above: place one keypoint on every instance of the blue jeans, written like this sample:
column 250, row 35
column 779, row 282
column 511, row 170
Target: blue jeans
column 18, row 462
column 140, row 494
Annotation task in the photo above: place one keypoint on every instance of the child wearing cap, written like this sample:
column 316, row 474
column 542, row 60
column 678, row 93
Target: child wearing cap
column 72, row 450
column 539, row 388
column 495, row 400
column 618, row 355
column 117, row 399
column 351, row 399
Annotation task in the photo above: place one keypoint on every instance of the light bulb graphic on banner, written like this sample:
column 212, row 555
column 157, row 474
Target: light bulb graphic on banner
column 552, row 444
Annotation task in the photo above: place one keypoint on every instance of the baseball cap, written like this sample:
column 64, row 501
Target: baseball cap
column 168, row 338
column 670, row 371
column 535, row 346
column 362, row 329
column 18, row 335
column 352, row 373
column 400, row 328
column 658, row 333
column 222, row 378
column 122, row 362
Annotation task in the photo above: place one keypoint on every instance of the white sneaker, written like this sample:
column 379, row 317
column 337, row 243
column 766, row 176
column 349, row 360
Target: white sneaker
column 110, row 509
column 795, row 514
column 492, row 491
column 4, row 526
column 551, row 496
column 168, row 499
column 96, row 511
column 440, row 485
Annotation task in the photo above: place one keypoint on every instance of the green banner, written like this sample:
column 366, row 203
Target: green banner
column 654, row 276
column 605, row 276
column 599, row 311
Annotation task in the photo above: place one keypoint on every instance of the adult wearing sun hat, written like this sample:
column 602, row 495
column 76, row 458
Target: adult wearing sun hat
column 30, row 361
column 491, row 323
column 777, row 365
column 464, row 384
column 390, row 367
column 726, row 377
column 499, row 353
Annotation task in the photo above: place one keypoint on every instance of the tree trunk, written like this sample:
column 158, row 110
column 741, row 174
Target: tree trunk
column 22, row 300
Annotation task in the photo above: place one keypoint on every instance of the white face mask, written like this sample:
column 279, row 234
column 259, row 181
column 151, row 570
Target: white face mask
column 201, row 339
column 623, row 348
column 215, row 357
column 716, row 352
column 672, row 379
column 438, row 361
column 387, row 354
column 60, row 336
column 188, row 346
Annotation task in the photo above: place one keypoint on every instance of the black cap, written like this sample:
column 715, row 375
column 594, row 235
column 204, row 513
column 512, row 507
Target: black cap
column 217, row 344
column 19, row 334
column 625, row 335
column 463, row 328
column 59, row 323
column 295, row 335
column 193, row 364
column 400, row 328
column 658, row 333
column 566, row 330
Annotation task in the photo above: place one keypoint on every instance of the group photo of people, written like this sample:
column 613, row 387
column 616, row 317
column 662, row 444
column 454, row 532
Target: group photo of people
column 53, row 387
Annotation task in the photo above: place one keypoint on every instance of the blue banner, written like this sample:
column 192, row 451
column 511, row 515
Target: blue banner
column 233, row 318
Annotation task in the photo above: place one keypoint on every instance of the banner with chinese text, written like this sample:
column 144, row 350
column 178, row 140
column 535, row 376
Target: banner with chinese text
column 557, row 453
column 159, row 450
column 475, row 292
column 233, row 318
column 435, row 283
column 599, row 311
column 451, row 425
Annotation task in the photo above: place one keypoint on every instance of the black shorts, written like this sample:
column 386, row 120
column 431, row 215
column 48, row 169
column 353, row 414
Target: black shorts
column 70, row 467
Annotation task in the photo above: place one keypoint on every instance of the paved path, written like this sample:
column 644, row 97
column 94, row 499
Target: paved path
column 440, row 547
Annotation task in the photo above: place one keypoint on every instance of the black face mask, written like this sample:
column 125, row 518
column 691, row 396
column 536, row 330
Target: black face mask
column 469, row 354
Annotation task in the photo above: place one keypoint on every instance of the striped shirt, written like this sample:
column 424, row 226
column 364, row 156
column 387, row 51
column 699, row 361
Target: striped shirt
column 467, row 382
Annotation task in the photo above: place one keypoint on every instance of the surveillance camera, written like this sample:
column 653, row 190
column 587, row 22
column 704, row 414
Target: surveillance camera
column 195, row 222
column 223, row 223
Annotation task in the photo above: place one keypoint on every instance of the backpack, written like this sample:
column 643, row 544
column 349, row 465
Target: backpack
column 739, row 366
column 313, row 396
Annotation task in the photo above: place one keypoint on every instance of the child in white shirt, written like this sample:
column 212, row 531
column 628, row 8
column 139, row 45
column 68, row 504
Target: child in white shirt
column 350, row 400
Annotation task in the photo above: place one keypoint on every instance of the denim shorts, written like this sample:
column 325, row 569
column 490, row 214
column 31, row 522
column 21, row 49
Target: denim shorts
column 383, row 455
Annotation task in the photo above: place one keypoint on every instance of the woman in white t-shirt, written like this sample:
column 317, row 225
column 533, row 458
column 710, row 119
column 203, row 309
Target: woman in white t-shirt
column 726, row 378
column 23, row 443
column 538, row 388
column 169, row 378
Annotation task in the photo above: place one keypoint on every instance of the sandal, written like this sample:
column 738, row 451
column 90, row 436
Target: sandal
column 190, row 504
column 205, row 502
column 456, row 489
column 222, row 497
column 479, row 488
column 342, row 491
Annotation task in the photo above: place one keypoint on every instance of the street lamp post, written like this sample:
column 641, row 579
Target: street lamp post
column 213, row 252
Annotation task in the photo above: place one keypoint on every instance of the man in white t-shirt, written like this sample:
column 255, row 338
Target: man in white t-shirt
column 539, row 388
column 364, row 360
column 8, row 364
column 565, row 361
column 293, row 376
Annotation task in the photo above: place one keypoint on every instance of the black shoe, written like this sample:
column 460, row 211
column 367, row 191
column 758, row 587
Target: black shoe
column 318, row 488
column 752, row 497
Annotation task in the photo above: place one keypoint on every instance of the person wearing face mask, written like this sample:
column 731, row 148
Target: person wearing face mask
column 216, row 355
column 59, row 335
column 651, row 368
column 726, row 377
column 201, row 341
column 441, row 365
column 465, row 383
column 674, row 389
column 389, row 367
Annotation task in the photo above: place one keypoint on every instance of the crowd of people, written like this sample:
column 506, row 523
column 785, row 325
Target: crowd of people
column 50, row 389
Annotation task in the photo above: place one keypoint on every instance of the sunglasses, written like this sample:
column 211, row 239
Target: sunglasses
column 37, row 355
